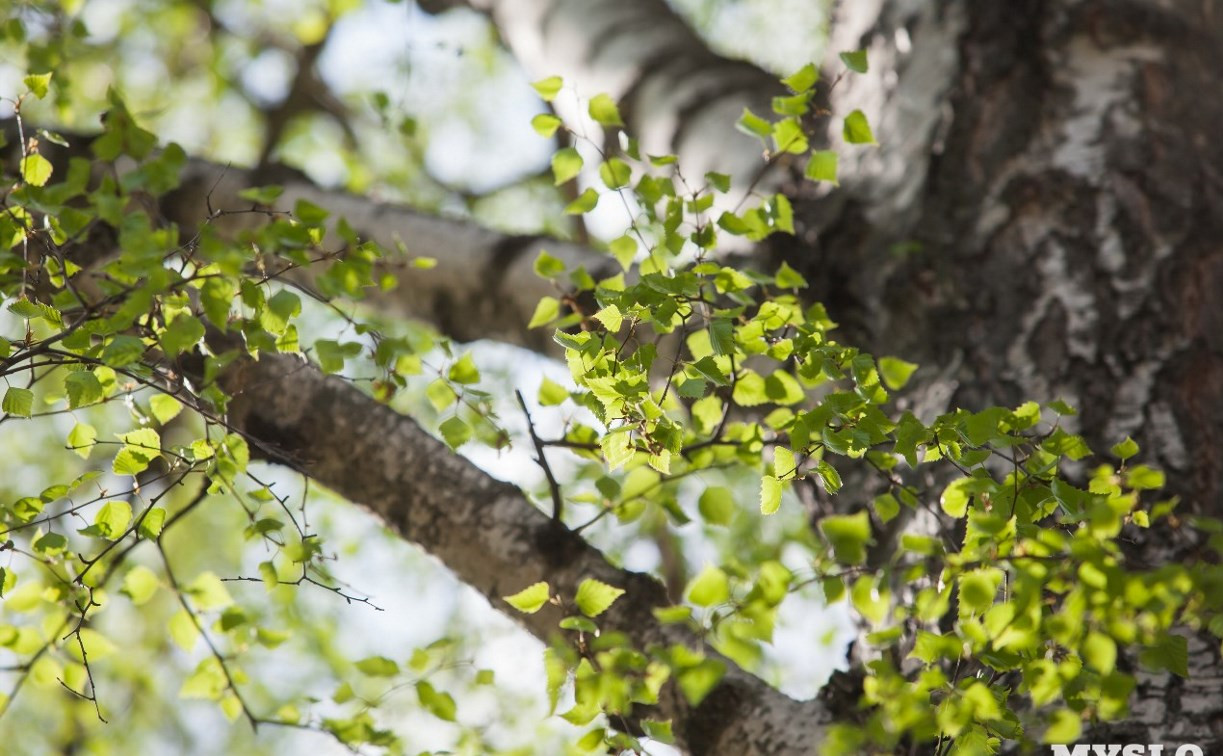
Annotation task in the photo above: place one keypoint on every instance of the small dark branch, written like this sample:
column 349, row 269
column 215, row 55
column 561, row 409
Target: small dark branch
column 121, row 557
column 542, row 460
column 311, row 581
column 133, row 528
column 212, row 647
column 92, row 696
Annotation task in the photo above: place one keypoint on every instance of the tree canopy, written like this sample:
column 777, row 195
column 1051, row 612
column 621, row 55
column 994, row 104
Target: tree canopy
column 240, row 379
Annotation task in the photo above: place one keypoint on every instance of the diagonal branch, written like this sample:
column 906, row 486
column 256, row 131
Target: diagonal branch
column 492, row 538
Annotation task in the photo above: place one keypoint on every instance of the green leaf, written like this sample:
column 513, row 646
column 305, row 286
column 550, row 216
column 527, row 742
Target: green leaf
column 38, row 84
column 279, row 310
column 895, row 372
column 464, row 371
column 182, row 334
column 585, row 202
column 580, row 624
column 610, row 317
column 1171, row 652
column 886, row 506
column 546, row 310
column 848, row 535
column 548, row 88
column 123, row 350
column 183, row 630
column 855, row 61
column 753, row 125
column 530, row 599
column 978, row 588
column 24, row 308
column 618, row 448
column 455, row 432
column 829, row 476
column 603, row 109
column 207, row 682
column 709, row 588
column 139, row 584
column 593, row 597
column 35, row 169
column 547, row 266
column 440, row 394
column 1125, row 449
column 262, row 195
column 83, row 388
column 789, row 278
column 870, row 599
column 165, row 408
column 81, row 439
column 784, row 465
column 152, row 523
column 717, row 505
column 615, row 173
column 770, row 495
column 439, row 704
column 1065, row 726
column 719, row 181
column 1144, row 478
column 696, row 681
column 111, row 520
column 18, row 401
column 377, row 666
column 566, row 164
column 822, row 166
column 788, row 136
column 545, row 124
column 208, row 592
column 803, row 79
column 954, row 500
column 552, row 393
column 624, row 249
column 1100, row 652
column 857, row 130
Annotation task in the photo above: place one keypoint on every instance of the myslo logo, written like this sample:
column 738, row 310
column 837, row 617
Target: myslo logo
column 1133, row 749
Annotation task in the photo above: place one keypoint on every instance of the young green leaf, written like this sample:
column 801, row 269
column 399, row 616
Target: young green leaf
column 857, row 130
column 35, row 169
column 770, row 495
column 585, row 202
column 803, row 79
column 38, row 84
column 593, row 597
column 566, row 164
column 18, row 401
column 895, row 372
column 603, row 109
column 822, row 166
column 855, row 61
column 548, row 88
column 545, row 124
column 530, row 599
column 717, row 505
column 709, row 588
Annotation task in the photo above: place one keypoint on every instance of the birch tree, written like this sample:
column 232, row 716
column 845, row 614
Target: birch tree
column 1015, row 207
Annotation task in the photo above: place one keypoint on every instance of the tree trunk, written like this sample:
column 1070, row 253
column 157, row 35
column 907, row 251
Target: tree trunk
column 1051, row 226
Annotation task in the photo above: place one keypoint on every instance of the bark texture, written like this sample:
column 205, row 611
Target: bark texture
column 483, row 285
column 493, row 538
column 1057, row 232
column 676, row 95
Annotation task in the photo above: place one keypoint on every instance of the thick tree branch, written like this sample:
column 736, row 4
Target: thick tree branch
column 492, row 538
